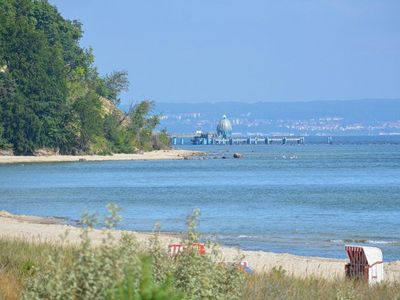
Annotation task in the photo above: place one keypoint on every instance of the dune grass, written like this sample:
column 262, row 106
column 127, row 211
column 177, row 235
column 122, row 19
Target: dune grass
column 278, row 285
column 19, row 260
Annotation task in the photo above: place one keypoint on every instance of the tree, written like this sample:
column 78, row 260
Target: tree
column 142, row 123
column 5, row 90
column 114, row 84
column 161, row 140
column 50, row 90
column 87, row 111
column 36, row 75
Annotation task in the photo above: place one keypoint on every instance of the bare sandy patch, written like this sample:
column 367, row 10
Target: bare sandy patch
column 173, row 154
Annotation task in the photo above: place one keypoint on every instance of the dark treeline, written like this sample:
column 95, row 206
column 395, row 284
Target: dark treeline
column 51, row 95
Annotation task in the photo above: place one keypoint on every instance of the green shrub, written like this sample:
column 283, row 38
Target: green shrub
column 147, row 289
column 205, row 276
column 198, row 276
column 119, row 269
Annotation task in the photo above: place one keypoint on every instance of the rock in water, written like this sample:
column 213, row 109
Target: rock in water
column 237, row 155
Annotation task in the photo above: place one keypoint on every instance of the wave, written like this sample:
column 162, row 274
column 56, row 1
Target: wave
column 366, row 241
column 383, row 242
column 248, row 236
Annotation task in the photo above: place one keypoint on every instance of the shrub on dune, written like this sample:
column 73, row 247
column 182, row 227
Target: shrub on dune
column 120, row 269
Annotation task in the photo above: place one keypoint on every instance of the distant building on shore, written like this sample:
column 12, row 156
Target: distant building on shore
column 224, row 128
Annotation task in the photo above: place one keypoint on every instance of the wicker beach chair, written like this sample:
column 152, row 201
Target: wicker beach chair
column 366, row 263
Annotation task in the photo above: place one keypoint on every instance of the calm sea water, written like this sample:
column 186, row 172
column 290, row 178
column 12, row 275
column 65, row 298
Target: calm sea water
column 303, row 199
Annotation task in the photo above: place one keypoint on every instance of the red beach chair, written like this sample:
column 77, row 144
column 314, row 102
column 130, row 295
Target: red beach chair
column 200, row 247
column 176, row 248
column 366, row 263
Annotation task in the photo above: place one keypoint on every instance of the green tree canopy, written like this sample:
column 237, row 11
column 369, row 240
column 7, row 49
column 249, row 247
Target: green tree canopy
column 50, row 91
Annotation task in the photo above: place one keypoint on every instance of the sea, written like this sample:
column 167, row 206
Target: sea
column 309, row 199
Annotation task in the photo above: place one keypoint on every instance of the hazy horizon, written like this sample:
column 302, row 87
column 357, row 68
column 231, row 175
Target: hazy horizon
column 278, row 101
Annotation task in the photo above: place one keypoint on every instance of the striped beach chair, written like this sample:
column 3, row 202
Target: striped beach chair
column 176, row 248
column 366, row 263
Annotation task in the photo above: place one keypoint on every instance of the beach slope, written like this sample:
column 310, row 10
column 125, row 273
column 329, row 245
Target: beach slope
column 35, row 229
column 152, row 155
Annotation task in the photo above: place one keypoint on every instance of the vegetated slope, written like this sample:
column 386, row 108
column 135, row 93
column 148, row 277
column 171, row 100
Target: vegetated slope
column 51, row 95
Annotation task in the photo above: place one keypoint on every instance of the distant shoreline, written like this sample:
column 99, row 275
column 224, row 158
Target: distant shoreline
column 152, row 155
column 43, row 229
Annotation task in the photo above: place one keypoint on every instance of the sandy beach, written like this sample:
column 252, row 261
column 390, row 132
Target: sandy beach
column 153, row 155
column 33, row 229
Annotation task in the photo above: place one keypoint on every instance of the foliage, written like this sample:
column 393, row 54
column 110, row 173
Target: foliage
column 199, row 276
column 119, row 269
column 50, row 90
column 161, row 140
column 113, row 85
column 3, row 142
column 90, row 272
column 34, row 105
column 142, row 124
column 116, row 134
column 19, row 262
column 147, row 289
column 87, row 111
column 205, row 277
column 278, row 285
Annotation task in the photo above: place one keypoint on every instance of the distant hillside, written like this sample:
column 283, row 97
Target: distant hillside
column 354, row 110
column 370, row 116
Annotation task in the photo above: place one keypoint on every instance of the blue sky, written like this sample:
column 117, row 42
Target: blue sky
column 245, row 50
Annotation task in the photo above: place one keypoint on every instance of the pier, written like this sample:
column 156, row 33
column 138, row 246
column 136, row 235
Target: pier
column 223, row 136
column 210, row 139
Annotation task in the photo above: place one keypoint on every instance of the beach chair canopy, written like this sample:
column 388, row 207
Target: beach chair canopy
column 370, row 255
column 177, row 248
